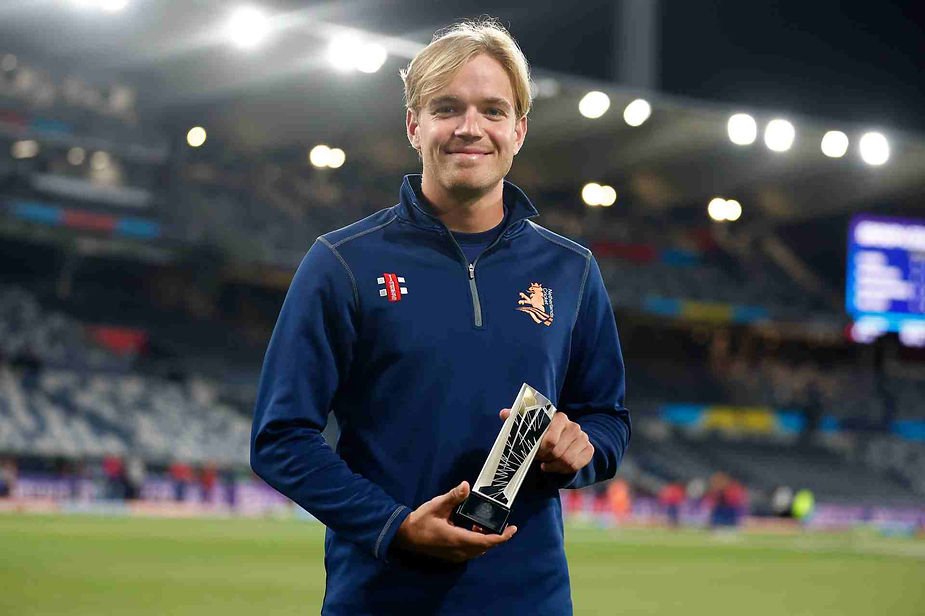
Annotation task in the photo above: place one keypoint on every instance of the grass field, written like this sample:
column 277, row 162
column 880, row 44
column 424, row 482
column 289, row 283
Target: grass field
column 53, row 565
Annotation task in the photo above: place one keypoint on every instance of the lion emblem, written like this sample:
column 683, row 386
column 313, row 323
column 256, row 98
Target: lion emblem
column 537, row 303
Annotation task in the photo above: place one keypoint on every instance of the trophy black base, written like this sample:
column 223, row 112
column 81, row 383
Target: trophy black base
column 480, row 510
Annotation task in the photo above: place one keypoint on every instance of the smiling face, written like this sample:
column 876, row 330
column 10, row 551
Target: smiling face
column 467, row 132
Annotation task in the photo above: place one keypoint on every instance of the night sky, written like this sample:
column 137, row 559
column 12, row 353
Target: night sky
column 857, row 61
column 854, row 61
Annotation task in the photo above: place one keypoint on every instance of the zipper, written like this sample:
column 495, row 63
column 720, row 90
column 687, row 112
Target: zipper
column 476, row 304
column 470, row 268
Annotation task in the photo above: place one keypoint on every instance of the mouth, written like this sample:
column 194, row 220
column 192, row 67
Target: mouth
column 468, row 154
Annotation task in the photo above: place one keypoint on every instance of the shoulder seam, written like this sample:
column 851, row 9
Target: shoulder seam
column 353, row 281
column 362, row 233
column 586, row 254
column 581, row 290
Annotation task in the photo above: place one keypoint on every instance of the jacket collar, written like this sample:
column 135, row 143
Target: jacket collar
column 411, row 209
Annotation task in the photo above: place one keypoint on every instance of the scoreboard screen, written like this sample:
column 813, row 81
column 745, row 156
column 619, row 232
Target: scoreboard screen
column 886, row 273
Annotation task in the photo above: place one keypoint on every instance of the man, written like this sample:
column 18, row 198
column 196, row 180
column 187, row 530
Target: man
column 415, row 325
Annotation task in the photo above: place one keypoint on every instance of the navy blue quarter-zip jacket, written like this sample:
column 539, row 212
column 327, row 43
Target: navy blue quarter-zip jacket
column 416, row 350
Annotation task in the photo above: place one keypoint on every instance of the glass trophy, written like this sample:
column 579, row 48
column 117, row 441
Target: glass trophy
column 489, row 503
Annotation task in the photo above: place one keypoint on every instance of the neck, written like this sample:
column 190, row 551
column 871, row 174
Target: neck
column 466, row 212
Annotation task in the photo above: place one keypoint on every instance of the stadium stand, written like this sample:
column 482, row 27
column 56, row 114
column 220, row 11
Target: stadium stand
column 29, row 331
column 62, row 413
column 764, row 466
column 186, row 396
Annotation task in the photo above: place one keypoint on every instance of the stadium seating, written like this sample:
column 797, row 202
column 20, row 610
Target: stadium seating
column 64, row 413
column 28, row 330
column 763, row 466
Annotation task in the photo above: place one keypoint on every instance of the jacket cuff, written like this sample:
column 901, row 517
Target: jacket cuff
column 387, row 534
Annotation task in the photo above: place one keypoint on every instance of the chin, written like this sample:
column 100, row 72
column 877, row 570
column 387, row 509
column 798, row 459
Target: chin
column 471, row 181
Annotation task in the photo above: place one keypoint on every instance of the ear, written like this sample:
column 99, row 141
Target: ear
column 520, row 133
column 411, row 127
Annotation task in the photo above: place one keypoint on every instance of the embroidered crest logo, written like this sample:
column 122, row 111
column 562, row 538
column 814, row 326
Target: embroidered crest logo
column 537, row 302
column 393, row 289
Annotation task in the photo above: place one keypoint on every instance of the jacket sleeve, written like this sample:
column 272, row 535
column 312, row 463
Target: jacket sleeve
column 308, row 358
column 595, row 381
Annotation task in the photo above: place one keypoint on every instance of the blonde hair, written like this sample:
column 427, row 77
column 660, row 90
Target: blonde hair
column 435, row 65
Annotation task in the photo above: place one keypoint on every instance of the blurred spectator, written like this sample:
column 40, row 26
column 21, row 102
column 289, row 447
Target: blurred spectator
column 182, row 475
column 728, row 499
column 114, row 473
column 619, row 499
column 671, row 497
column 804, row 503
column 135, row 474
column 8, row 475
column 208, row 479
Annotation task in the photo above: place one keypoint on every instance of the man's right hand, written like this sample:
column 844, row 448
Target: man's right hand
column 428, row 530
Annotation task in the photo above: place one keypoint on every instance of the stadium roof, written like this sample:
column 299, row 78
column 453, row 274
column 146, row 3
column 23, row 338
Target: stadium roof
column 284, row 94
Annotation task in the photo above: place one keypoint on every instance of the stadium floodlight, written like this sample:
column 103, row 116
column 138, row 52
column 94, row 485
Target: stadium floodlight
column 347, row 52
column 99, row 160
column 742, row 129
column 196, row 136
column 319, row 156
column 371, row 58
column 342, row 52
column 834, row 144
column 721, row 210
column 76, row 156
column 717, row 209
column 594, row 104
column 874, row 148
column 336, row 158
column 779, row 135
column 247, row 27
column 733, row 210
column 24, row 149
column 113, row 6
column 637, row 112
column 592, row 194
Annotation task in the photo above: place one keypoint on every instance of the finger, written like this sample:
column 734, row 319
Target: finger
column 487, row 542
column 505, row 413
column 572, row 440
column 445, row 503
column 573, row 461
column 579, row 457
column 557, row 439
column 472, row 541
column 504, row 537
column 553, row 433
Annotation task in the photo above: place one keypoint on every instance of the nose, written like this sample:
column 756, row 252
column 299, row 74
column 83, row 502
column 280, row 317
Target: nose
column 469, row 126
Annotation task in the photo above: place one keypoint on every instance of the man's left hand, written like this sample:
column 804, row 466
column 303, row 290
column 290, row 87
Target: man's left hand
column 565, row 447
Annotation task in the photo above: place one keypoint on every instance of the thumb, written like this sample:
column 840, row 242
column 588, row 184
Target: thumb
column 446, row 502
column 505, row 413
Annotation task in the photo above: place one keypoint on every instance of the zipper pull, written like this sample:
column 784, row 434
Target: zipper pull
column 471, row 272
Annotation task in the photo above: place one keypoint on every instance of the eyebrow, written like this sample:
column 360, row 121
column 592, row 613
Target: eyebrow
column 493, row 100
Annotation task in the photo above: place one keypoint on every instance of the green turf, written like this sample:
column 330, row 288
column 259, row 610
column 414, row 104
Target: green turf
column 94, row 566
